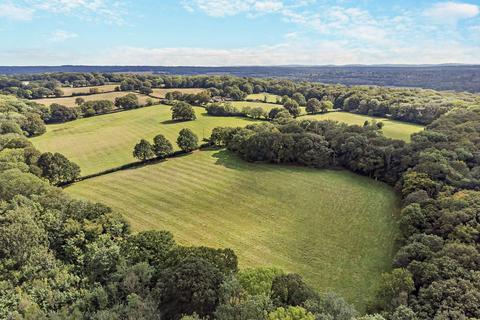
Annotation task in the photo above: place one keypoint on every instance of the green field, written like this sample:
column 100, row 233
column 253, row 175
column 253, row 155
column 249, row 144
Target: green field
column 272, row 98
column 68, row 91
column 335, row 228
column 70, row 101
column 107, row 141
column 266, row 106
column 392, row 129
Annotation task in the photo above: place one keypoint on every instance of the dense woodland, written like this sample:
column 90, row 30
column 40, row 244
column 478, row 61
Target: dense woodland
column 438, row 77
column 64, row 258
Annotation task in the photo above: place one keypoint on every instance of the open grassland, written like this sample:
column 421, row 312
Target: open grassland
column 335, row 228
column 265, row 106
column 68, row 91
column 160, row 93
column 272, row 98
column 103, row 142
column 70, row 101
column 392, row 129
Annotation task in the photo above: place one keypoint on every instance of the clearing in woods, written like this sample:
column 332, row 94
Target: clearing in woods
column 391, row 129
column 335, row 228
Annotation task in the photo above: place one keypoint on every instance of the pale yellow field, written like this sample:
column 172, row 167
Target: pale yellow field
column 160, row 93
column 271, row 98
column 67, row 91
column 70, row 101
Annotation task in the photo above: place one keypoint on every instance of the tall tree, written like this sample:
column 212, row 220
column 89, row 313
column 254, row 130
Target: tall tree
column 187, row 140
column 183, row 111
column 161, row 146
column 57, row 168
column 143, row 150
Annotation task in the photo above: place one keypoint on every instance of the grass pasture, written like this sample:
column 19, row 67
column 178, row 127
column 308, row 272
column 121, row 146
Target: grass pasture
column 271, row 98
column 70, row 101
column 102, row 142
column 266, row 106
column 335, row 228
column 160, row 93
column 392, row 129
column 68, row 91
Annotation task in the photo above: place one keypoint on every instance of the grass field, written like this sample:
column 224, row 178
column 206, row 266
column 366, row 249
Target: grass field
column 160, row 93
column 266, row 106
column 392, row 129
column 335, row 228
column 70, row 101
column 67, row 91
column 272, row 98
column 107, row 141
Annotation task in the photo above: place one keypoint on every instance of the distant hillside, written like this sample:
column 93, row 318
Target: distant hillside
column 439, row 77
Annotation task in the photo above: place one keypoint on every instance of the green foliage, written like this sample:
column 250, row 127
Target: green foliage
column 33, row 124
column 235, row 303
column 60, row 113
column 258, row 281
column 57, row 168
column 182, row 111
column 290, row 313
column 191, row 286
column 330, row 306
column 293, row 108
column 162, row 147
column 150, row 246
column 395, row 289
column 291, row 290
column 187, row 140
column 313, row 106
column 143, row 150
column 129, row 101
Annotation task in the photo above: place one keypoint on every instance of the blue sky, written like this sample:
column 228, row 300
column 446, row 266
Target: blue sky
column 238, row 32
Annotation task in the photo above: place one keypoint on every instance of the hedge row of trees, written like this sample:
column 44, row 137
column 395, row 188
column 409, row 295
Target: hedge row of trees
column 58, row 113
column 436, row 272
column 162, row 148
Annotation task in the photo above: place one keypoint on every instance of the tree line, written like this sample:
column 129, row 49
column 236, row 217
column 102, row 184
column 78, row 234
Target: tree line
column 436, row 271
column 406, row 104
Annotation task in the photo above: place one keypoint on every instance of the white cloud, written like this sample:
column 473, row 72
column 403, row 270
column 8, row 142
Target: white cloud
column 223, row 8
column 10, row 11
column 452, row 12
column 352, row 23
column 286, row 53
column 62, row 35
column 268, row 6
column 109, row 11
column 320, row 53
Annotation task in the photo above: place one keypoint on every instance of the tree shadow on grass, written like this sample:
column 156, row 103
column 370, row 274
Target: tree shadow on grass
column 170, row 121
column 230, row 160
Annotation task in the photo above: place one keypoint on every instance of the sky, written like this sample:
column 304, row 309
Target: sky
column 238, row 32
